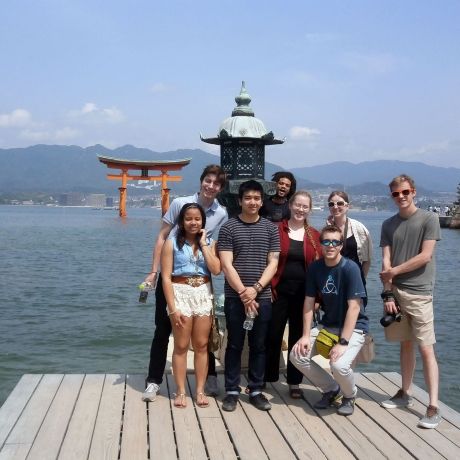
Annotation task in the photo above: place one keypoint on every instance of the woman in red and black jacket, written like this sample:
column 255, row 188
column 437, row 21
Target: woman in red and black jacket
column 300, row 246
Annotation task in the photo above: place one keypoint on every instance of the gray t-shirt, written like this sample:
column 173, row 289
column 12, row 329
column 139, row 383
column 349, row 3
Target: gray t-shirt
column 405, row 236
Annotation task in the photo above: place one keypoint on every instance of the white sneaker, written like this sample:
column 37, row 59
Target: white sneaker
column 150, row 392
column 212, row 386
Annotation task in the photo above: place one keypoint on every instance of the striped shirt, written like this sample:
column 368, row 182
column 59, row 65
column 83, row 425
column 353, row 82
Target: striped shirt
column 250, row 244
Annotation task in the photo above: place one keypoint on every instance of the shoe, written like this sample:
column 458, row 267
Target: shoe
column 260, row 401
column 431, row 419
column 212, row 386
column 295, row 393
column 201, row 400
column 229, row 403
column 327, row 399
column 150, row 392
column 400, row 399
column 347, row 407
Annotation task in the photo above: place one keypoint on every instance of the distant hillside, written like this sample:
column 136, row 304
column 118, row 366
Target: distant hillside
column 56, row 168
column 348, row 174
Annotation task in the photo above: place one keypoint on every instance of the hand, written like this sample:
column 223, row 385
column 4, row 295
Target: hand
column 203, row 241
column 337, row 351
column 302, row 347
column 387, row 275
column 252, row 306
column 177, row 319
column 151, row 278
column 248, row 295
column 390, row 306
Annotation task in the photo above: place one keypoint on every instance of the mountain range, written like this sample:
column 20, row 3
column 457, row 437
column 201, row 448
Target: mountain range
column 58, row 168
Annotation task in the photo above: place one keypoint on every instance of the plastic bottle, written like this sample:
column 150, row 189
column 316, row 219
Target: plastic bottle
column 249, row 321
column 145, row 288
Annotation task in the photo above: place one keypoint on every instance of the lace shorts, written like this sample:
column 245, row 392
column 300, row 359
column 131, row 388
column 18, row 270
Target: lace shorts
column 193, row 301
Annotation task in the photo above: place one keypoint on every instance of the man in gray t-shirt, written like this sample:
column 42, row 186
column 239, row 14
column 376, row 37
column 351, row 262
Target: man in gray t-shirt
column 408, row 241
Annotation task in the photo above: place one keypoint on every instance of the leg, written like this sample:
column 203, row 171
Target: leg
column 294, row 376
column 179, row 359
column 200, row 335
column 430, row 372
column 257, row 339
column 159, row 347
column 275, row 338
column 234, row 316
column 407, row 360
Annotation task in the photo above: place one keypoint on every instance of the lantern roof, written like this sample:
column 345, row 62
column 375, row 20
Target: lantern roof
column 243, row 125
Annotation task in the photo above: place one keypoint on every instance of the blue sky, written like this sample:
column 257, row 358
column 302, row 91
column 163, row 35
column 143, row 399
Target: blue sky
column 340, row 80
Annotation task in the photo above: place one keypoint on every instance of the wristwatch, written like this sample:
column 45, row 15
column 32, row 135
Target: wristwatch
column 343, row 341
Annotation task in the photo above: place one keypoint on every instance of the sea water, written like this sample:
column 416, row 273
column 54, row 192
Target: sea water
column 69, row 295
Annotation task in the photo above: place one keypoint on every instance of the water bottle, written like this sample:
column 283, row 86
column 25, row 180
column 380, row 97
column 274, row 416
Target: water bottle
column 249, row 321
column 145, row 288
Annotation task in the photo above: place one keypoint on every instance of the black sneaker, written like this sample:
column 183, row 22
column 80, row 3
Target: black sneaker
column 260, row 401
column 229, row 403
column 327, row 399
column 347, row 407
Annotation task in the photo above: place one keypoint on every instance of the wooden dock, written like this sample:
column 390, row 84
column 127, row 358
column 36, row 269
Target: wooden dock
column 56, row 416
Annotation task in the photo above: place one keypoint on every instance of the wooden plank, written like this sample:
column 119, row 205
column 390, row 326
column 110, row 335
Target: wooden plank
column 51, row 434
column 295, row 433
column 266, row 430
column 161, row 429
column 247, row 444
column 105, row 444
column 354, row 440
column 14, row 451
column 15, row 403
column 32, row 416
column 325, row 439
column 369, row 397
column 134, row 436
column 81, row 427
column 190, row 443
column 215, row 434
column 438, row 441
column 447, row 412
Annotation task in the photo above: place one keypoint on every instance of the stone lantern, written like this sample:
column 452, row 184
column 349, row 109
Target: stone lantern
column 242, row 139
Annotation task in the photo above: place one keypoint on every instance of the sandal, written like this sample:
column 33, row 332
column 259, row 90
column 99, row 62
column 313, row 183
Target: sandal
column 295, row 393
column 202, row 400
column 179, row 400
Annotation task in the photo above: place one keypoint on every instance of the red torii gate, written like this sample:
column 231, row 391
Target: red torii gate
column 144, row 166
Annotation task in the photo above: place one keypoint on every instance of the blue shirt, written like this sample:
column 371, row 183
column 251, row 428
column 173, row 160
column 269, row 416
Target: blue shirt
column 336, row 286
column 185, row 263
column 216, row 215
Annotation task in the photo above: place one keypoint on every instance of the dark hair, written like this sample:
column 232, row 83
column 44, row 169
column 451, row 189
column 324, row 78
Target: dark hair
column 330, row 229
column 339, row 193
column 398, row 180
column 214, row 169
column 250, row 185
column 287, row 175
column 180, row 236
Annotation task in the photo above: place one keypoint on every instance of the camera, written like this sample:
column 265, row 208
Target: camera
column 390, row 318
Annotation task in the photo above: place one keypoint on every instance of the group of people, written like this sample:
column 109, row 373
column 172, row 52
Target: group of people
column 279, row 269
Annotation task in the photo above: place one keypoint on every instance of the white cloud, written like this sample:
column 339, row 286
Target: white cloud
column 16, row 118
column 57, row 135
column 303, row 133
column 160, row 87
column 374, row 64
column 66, row 133
column 91, row 113
column 35, row 136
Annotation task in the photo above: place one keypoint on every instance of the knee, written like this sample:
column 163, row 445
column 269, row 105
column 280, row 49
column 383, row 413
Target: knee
column 300, row 362
column 200, row 346
column 337, row 368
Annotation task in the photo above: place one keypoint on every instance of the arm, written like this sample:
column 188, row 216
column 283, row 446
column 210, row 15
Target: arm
column 390, row 305
column 209, row 252
column 303, row 345
column 354, row 306
column 167, row 257
column 165, row 229
column 420, row 260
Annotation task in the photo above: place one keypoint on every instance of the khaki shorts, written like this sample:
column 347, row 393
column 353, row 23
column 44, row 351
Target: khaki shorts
column 417, row 319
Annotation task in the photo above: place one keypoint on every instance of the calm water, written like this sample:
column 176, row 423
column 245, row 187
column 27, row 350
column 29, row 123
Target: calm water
column 68, row 296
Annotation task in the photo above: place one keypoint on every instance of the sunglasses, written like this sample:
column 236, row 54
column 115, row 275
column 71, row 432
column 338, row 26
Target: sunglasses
column 405, row 192
column 333, row 243
column 333, row 204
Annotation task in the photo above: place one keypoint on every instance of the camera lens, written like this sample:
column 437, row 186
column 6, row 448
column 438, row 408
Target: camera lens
column 386, row 320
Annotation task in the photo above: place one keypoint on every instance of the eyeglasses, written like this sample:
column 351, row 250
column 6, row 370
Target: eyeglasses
column 333, row 204
column 404, row 192
column 303, row 207
column 333, row 243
